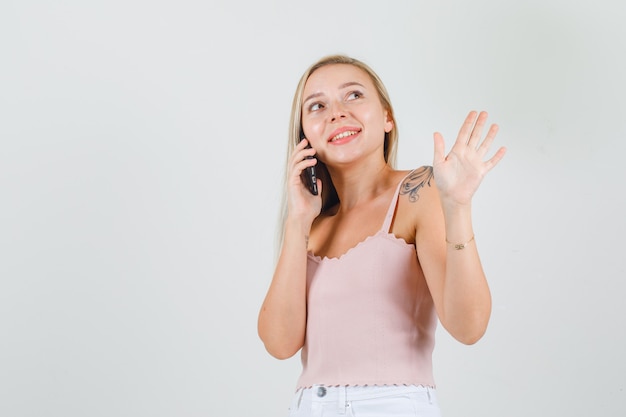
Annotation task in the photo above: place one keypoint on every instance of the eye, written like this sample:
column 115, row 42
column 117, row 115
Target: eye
column 354, row 95
column 315, row 106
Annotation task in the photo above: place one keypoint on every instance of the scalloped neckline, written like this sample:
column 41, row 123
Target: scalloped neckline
column 383, row 231
column 380, row 233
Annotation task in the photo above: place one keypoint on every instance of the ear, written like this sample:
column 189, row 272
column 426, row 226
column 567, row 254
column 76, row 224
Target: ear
column 388, row 122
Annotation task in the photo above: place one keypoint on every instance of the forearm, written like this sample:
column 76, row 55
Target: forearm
column 466, row 295
column 282, row 319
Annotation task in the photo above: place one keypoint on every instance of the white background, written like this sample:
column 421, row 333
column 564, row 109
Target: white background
column 141, row 160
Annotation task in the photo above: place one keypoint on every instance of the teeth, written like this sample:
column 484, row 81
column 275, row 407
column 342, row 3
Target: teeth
column 344, row 135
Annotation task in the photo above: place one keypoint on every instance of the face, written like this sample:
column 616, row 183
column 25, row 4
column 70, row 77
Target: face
column 342, row 115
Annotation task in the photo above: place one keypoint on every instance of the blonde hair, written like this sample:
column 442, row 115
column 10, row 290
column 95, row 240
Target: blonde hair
column 329, row 194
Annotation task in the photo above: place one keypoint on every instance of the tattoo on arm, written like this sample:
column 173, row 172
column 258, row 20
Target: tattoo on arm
column 416, row 181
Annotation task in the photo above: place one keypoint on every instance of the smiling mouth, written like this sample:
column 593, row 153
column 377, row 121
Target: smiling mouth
column 344, row 135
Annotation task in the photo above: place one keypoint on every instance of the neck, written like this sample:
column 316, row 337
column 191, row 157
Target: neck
column 360, row 183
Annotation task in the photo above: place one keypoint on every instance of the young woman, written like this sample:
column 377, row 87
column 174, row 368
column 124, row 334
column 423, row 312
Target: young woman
column 369, row 264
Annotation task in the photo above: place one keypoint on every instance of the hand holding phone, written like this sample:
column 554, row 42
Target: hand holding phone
column 308, row 175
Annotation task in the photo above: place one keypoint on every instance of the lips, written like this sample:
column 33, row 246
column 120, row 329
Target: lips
column 341, row 134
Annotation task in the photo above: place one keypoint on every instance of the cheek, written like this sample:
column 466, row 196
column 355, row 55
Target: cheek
column 378, row 122
column 314, row 131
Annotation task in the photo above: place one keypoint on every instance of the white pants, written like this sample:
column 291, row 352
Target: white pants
column 385, row 401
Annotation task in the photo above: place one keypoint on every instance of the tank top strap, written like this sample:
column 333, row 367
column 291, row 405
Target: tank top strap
column 392, row 206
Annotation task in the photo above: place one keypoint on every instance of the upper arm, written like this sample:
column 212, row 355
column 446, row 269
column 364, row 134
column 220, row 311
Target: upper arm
column 423, row 203
column 430, row 244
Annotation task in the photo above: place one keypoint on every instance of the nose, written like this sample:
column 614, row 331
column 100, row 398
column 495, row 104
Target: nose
column 338, row 112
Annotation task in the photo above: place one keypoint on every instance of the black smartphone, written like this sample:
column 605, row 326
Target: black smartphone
column 308, row 175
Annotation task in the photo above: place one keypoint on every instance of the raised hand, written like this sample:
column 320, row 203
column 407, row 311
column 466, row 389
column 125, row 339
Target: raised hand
column 459, row 173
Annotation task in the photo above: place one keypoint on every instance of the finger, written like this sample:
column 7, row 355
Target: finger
column 440, row 148
column 296, row 153
column 495, row 159
column 298, row 169
column 477, row 130
column 491, row 135
column 301, row 152
column 304, row 164
column 466, row 128
column 302, row 144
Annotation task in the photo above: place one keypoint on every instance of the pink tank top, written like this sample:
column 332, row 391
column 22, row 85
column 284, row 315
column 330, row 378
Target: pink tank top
column 370, row 317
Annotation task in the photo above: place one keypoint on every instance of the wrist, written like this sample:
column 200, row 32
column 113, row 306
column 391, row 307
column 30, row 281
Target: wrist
column 456, row 245
column 297, row 226
column 453, row 211
column 458, row 221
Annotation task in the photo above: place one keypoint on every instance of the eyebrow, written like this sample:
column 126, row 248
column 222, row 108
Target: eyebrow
column 342, row 86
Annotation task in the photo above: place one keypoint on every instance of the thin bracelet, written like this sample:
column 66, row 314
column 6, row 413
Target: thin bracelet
column 460, row 246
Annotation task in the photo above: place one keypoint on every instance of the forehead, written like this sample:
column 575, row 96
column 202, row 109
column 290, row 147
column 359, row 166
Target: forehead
column 334, row 76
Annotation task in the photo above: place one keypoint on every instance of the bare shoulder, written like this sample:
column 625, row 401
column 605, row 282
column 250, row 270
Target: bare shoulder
column 417, row 201
column 415, row 183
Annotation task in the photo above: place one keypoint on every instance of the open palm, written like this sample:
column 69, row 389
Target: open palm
column 459, row 173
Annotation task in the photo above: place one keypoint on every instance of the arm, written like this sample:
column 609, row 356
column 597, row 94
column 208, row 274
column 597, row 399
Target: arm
column 455, row 278
column 282, row 319
column 454, row 273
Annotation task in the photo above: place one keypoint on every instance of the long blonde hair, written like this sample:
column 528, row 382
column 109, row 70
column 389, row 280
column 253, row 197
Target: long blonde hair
column 329, row 194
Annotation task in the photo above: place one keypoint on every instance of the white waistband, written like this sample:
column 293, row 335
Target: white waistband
column 321, row 393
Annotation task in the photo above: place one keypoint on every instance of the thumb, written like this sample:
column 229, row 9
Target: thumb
column 439, row 148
